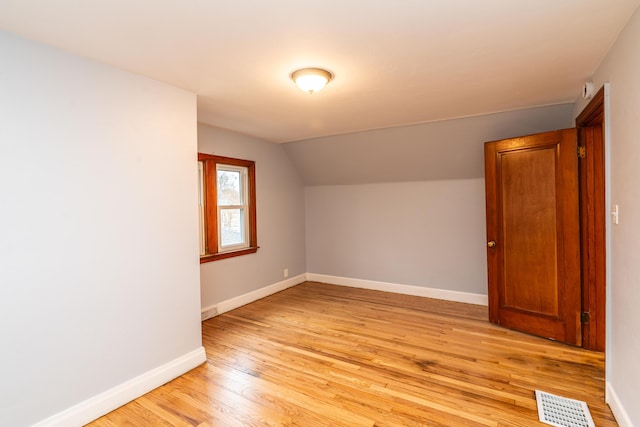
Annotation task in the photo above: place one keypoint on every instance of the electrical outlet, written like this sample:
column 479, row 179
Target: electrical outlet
column 286, row 273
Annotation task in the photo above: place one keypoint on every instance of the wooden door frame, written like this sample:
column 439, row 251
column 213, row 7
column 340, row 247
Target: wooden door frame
column 591, row 124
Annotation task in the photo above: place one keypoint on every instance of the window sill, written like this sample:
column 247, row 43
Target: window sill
column 231, row 254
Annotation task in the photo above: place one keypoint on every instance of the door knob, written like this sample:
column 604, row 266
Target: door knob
column 491, row 244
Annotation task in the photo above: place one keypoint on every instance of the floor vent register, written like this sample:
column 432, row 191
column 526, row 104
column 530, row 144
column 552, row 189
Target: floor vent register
column 562, row 412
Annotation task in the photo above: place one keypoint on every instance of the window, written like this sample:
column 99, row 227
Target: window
column 227, row 207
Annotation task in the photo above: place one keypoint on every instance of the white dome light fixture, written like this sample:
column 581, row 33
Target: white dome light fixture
column 311, row 80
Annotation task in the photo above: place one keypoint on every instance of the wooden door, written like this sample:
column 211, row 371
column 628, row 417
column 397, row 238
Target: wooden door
column 533, row 234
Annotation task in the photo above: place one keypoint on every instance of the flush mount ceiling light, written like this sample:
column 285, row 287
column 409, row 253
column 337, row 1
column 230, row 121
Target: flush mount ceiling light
column 311, row 80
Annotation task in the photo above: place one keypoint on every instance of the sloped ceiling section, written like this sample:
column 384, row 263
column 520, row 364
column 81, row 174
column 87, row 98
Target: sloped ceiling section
column 450, row 149
column 395, row 62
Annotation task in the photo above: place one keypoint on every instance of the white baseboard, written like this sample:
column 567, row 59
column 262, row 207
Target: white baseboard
column 239, row 301
column 419, row 291
column 618, row 410
column 109, row 400
column 230, row 304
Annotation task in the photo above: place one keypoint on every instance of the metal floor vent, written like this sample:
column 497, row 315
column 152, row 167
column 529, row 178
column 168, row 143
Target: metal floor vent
column 562, row 412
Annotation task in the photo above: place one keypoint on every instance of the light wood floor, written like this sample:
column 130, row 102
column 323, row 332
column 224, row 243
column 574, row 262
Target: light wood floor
column 324, row 355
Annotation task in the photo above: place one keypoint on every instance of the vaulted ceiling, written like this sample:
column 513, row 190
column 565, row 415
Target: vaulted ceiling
column 395, row 62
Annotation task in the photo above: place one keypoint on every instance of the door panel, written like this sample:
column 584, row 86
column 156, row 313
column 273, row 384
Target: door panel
column 528, row 224
column 532, row 216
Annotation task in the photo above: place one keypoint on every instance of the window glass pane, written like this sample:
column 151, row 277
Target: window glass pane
column 231, row 227
column 229, row 188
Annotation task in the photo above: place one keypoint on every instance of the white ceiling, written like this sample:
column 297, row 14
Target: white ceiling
column 395, row 62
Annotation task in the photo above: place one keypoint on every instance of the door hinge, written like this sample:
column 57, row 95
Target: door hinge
column 582, row 152
column 584, row 317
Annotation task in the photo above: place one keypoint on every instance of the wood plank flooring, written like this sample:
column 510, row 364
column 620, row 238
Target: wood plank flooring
column 324, row 355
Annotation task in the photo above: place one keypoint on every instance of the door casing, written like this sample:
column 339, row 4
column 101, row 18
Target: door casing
column 590, row 123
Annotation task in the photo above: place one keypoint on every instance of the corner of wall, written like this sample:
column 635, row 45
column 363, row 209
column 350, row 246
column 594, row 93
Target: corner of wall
column 420, row 291
column 233, row 303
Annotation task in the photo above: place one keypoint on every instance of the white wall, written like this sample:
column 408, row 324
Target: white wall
column 406, row 205
column 280, row 219
column 429, row 234
column 621, row 68
column 99, row 279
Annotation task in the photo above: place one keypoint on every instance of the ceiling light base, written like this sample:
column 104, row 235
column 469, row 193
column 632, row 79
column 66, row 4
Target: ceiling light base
column 311, row 80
